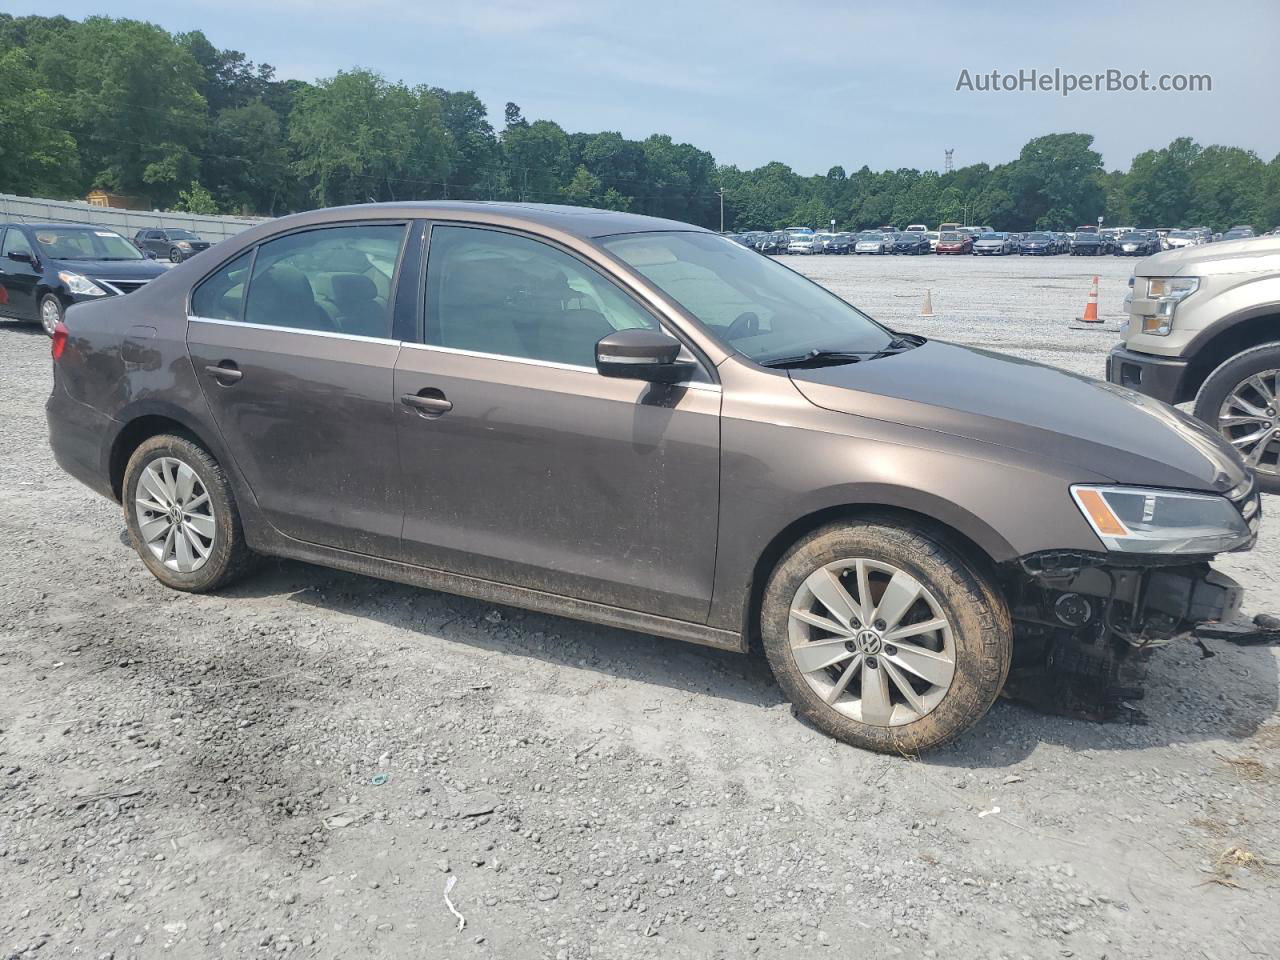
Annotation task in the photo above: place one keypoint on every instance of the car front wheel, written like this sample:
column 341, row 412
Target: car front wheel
column 51, row 313
column 181, row 515
column 1241, row 400
column 175, row 255
column 885, row 637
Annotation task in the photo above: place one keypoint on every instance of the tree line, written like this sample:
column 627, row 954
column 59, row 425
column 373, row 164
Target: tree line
column 174, row 121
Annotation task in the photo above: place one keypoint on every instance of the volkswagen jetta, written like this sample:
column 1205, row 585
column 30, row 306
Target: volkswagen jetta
column 640, row 423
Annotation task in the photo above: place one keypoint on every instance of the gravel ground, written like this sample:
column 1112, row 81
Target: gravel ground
column 311, row 762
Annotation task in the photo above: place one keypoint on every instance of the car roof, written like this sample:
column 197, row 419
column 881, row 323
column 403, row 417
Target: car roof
column 583, row 222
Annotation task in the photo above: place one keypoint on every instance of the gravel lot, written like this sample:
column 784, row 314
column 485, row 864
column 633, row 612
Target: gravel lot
column 305, row 764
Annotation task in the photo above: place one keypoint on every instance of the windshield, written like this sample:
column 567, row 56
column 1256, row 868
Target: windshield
column 1181, row 235
column 872, row 237
column 85, row 243
column 950, row 238
column 182, row 235
column 992, row 236
column 750, row 303
column 1038, row 238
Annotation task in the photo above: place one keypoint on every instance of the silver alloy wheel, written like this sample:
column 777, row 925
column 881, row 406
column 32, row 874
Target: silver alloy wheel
column 872, row 641
column 50, row 315
column 175, row 515
column 1249, row 419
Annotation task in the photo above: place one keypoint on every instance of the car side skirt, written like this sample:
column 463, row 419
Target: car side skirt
column 506, row 594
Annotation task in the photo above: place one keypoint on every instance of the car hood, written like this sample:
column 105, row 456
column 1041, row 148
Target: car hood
column 114, row 269
column 1103, row 429
column 1255, row 255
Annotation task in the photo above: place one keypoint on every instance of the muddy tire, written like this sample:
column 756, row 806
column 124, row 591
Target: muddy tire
column 182, row 518
column 918, row 639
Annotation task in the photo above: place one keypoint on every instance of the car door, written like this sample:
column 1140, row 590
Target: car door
column 19, row 278
column 297, row 371
column 522, row 464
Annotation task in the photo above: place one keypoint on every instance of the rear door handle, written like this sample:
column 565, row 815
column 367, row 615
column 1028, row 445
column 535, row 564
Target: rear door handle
column 225, row 372
column 430, row 403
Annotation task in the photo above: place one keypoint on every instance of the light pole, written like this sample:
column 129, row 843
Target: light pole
column 720, row 193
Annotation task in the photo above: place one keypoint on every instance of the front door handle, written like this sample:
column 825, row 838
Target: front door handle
column 429, row 403
column 225, row 372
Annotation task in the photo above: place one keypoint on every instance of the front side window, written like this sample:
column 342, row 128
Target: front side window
column 498, row 293
column 221, row 296
column 750, row 303
column 332, row 280
column 84, row 243
column 15, row 241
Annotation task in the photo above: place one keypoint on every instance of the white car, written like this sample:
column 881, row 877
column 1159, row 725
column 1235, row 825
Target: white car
column 803, row 243
column 917, row 228
column 1182, row 238
column 872, row 243
column 933, row 239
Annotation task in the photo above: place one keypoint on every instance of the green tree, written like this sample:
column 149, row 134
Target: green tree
column 38, row 157
column 196, row 199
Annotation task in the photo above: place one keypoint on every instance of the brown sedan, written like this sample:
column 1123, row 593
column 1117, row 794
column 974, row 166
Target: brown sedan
column 642, row 424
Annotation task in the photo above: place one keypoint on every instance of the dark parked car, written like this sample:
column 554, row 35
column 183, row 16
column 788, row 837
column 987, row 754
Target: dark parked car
column 1038, row 245
column 170, row 244
column 957, row 241
column 550, row 413
column 841, row 243
column 1089, row 243
column 1238, row 233
column 1137, row 243
column 914, row 243
column 775, row 243
column 46, row 267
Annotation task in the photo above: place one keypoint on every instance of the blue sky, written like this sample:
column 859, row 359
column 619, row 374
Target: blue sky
column 858, row 83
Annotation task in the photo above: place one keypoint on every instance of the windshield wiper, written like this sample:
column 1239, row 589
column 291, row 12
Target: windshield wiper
column 818, row 357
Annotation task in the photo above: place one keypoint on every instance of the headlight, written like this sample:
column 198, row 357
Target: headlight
column 80, row 285
column 184, row 245
column 1167, row 292
column 1138, row 520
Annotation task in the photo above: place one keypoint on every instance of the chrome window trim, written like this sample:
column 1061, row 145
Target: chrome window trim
column 481, row 355
column 192, row 318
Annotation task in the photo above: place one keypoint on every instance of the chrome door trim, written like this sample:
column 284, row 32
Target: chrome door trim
column 191, row 318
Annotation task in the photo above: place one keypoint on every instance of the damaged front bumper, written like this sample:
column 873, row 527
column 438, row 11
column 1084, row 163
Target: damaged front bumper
column 1080, row 618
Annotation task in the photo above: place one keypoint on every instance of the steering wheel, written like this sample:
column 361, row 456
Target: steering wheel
column 744, row 325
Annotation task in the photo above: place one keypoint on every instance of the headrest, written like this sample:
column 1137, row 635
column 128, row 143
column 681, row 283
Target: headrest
column 353, row 287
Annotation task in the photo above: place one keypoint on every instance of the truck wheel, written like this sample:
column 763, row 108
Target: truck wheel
column 1241, row 400
column 885, row 637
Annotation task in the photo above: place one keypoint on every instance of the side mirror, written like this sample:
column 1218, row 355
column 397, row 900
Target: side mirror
column 639, row 354
column 22, row 257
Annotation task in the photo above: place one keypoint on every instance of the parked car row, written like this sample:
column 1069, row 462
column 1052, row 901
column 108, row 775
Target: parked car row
column 984, row 241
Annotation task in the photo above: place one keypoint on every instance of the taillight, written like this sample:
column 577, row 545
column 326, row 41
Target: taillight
column 59, row 342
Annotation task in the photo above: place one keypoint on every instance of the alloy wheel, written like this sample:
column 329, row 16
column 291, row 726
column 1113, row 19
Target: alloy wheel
column 175, row 515
column 50, row 315
column 1249, row 419
column 872, row 641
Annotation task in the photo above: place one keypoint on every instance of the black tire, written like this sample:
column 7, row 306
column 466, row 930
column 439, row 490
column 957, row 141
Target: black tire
column 175, row 255
column 230, row 557
column 50, row 304
column 982, row 631
column 1223, row 381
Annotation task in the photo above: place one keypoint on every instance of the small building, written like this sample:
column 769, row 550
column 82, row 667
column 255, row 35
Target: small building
column 104, row 198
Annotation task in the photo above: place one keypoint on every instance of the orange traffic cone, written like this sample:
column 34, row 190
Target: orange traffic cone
column 1091, row 308
column 927, row 309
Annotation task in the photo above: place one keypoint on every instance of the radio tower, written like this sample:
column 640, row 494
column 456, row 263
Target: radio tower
column 947, row 166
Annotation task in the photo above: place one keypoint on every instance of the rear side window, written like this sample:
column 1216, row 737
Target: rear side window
column 15, row 241
column 221, row 296
column 497, row 293
column 333, row 280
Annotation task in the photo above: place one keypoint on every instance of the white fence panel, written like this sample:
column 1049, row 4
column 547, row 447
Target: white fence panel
column 33, row 209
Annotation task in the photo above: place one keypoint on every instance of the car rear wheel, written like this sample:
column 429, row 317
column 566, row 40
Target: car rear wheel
column 181, row 515
column 1241, row 400
column 51, row 313
column 885, row 637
